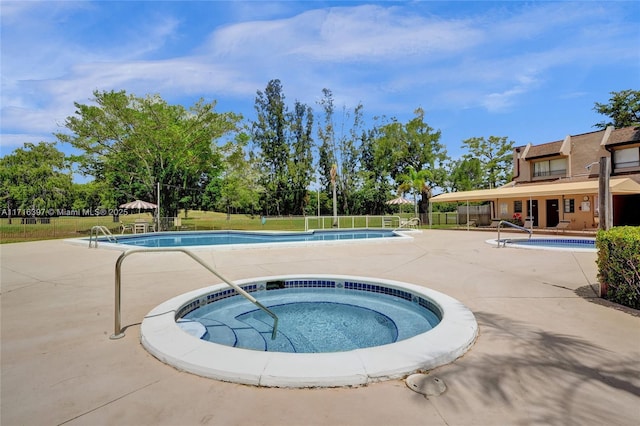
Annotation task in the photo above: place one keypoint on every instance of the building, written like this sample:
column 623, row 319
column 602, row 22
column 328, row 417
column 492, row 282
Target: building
column 558, row 182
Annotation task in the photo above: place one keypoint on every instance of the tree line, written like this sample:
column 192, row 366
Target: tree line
column 290, row 160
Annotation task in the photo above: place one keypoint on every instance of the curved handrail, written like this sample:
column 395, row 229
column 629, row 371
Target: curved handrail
column 105, row 231
column 119, row 331
column 513, row 225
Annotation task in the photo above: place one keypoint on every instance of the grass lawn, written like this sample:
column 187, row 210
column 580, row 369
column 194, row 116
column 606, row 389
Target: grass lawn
column 72, row 226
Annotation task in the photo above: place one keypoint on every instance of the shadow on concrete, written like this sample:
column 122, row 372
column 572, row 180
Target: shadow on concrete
column 552, row 379
column 590, row 293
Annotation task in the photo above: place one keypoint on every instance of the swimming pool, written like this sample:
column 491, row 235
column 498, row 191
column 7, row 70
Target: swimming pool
column 561, row 244
column 451, row 331
column 244, row 239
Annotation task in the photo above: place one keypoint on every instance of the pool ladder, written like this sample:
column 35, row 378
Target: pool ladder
column 513, row 225
column 119, row 331
column 105, row 231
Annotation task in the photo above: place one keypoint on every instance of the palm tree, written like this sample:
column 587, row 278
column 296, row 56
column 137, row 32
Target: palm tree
column 414, row 182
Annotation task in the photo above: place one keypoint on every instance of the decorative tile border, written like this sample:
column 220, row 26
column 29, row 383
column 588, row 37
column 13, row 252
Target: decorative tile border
column 558, row 241
column 310, row 283
column 212, row 297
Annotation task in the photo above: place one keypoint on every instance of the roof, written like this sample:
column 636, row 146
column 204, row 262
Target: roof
column 544, row 150
column 619, row 186
column 624, row 136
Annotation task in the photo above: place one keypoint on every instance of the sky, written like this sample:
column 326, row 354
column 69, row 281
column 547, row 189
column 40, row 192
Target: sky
column 529, row 71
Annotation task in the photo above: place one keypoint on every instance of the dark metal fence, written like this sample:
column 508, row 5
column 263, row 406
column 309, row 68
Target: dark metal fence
column 480, row 215
column 37, row 228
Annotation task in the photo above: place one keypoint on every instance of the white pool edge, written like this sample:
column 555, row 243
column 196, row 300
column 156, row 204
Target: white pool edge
column 402, row 236
column 494, row 242
column 450, row 339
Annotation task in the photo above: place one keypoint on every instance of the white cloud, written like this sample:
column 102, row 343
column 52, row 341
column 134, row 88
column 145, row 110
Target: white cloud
column 390, row 58
column 497, row 102
column 346, row 35
column 9, row 141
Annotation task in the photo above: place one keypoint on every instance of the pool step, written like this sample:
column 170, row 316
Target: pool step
column 281, row 343
column 251, row 334
column 221, row 333
column 249, row 338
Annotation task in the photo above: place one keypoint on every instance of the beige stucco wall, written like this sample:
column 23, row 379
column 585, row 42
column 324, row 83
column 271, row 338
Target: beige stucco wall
column 580, row 218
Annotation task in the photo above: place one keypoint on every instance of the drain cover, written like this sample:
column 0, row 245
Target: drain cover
column 425, row 384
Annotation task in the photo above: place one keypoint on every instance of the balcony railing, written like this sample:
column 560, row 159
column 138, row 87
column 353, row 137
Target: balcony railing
column 562, row 172
column 626, row 164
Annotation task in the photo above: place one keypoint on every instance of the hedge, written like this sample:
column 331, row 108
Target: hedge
column 619, row 265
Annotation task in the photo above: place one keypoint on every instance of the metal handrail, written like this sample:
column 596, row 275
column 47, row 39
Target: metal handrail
column 105, row 231
column 119, row 331
column 513, row 225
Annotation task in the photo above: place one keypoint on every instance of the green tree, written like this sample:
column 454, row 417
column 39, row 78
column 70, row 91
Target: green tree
column 334, row 173
column 374, row 174
column 269, row 132
column 415, row 182
column 465, row 174
column 35, row 178
column 132, row 143
column 238, row 186
column 342, row 148
column 348, row 155
column 496, row 158
column 416, row 145
column 301, row 157
column 317, row 206
column 326, row 135
column 623, row 109
column 88, row 195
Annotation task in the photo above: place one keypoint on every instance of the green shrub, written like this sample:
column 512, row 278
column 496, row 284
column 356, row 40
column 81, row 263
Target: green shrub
column 619, row 264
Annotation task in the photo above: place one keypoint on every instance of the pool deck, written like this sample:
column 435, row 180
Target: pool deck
column 549, row 351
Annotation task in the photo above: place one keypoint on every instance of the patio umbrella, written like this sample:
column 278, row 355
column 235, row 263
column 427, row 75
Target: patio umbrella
column 400, row 201
column 139, row 204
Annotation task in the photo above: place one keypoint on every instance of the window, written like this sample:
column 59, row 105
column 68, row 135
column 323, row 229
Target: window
column 569, row 205
column 504, row 209
column 541, row 169
column 556, row 167
column 629, row 157
column 517, row 206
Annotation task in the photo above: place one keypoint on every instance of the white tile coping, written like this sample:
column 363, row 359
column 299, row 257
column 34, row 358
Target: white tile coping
column 450, row 339
column 402, row 235
column 494, row 242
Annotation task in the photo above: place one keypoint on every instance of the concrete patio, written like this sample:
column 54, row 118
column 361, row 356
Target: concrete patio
column 549, row 352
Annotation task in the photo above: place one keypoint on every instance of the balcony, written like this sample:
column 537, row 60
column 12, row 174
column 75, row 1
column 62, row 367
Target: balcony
column 550, row 173
column 626, row 166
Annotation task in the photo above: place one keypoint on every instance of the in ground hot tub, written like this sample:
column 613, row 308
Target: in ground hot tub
column 332, row 331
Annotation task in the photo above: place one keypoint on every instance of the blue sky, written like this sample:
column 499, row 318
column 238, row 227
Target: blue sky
column 530, row 71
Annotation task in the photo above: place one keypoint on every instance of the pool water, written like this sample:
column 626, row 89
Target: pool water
column 312, row 320
column 551, row 243
column 217, row 238
column 312, row 327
